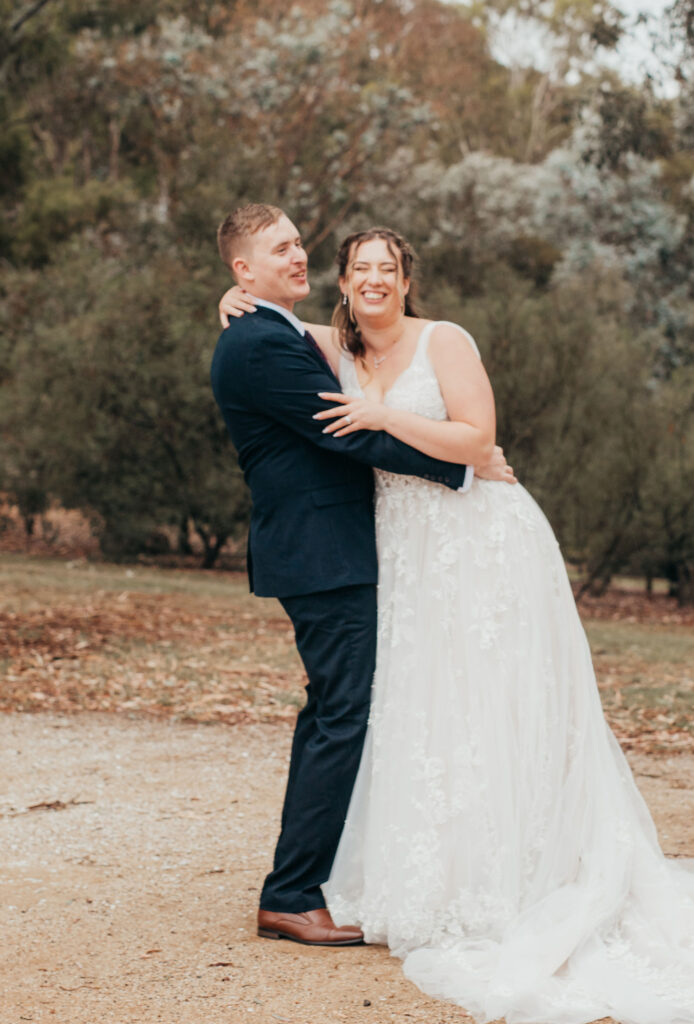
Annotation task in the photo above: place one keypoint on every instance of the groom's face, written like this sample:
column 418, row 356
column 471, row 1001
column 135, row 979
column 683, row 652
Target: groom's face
column 276, row 264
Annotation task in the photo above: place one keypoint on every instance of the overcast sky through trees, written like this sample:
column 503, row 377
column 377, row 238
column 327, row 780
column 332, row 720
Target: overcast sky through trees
column 635, row 53
column 633, row 59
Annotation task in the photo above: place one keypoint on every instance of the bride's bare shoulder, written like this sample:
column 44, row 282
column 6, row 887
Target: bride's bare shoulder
column 328, row 340
column 448, row 335
column 323, row 333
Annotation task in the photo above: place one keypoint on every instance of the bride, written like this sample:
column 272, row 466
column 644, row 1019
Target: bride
column 496, row 840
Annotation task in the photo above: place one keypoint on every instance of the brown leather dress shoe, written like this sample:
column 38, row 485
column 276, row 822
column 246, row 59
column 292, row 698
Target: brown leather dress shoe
column 312, row 928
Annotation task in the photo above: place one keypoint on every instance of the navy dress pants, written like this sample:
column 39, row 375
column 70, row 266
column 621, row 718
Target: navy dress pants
column 336, row 638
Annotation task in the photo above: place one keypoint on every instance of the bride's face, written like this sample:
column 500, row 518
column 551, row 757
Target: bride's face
column 374, row 283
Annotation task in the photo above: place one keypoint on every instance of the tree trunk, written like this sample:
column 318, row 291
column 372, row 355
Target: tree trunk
column 671, row 576
column 539, row 113
column 183, row 540
column 212, row 552
column 685, row 584
column 86, row 155
column 212, row 545
column 114, row 152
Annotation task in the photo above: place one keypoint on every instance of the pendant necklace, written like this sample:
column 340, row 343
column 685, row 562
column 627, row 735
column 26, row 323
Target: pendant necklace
column 381, row 359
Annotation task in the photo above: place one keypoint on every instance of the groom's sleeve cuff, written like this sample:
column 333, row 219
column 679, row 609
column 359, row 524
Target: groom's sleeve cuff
column 467, row 480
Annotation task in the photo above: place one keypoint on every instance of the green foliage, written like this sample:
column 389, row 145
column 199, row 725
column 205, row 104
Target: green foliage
column 14, row 158
column 631, row 122
column 54, row 209
column 664, row 545
column 111, row 383
column 554, row 220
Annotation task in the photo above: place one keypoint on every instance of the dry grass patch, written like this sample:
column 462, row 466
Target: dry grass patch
column 645, row 673
column 196, row 646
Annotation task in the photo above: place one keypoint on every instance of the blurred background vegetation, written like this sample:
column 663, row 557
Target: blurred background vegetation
column 551, row 207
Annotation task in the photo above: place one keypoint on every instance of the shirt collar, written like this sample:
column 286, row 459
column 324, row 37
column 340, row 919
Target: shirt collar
column 293, row 320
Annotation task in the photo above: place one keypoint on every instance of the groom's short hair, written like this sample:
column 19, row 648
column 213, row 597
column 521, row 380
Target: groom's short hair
column 240, row 224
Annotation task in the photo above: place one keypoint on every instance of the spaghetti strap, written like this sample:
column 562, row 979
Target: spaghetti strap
column 422, row 346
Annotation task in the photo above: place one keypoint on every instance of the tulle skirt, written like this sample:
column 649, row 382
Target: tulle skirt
column 496, row 840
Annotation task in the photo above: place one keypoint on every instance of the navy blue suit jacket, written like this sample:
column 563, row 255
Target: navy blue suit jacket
column 312, row 522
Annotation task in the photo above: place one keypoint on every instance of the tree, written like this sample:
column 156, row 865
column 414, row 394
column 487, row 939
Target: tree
column 665, row 544
column 112, row 383
column 552, row 207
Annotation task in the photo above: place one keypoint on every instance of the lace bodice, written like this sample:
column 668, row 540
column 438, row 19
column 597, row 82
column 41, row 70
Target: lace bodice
column 416, row 389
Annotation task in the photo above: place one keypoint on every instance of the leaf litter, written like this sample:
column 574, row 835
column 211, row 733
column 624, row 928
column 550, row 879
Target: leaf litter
column 231, row 659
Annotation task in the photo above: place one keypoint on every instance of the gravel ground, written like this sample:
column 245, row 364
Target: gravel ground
column 133, row 852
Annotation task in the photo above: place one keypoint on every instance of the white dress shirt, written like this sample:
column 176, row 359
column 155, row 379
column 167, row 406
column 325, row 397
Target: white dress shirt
column 291, row 317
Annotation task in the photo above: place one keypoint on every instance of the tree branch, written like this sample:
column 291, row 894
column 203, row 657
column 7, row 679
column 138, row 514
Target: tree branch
column 330, row 226
column 29, row 13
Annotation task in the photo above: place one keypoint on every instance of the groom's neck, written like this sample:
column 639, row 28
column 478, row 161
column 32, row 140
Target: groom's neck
column 277, row 300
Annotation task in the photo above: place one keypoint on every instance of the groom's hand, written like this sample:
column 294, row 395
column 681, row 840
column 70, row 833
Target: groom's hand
column 497, row 468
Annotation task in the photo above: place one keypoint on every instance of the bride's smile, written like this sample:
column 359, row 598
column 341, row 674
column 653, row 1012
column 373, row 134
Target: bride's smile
column 375, row 288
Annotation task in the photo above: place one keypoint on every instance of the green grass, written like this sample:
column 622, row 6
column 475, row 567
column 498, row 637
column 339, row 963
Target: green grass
column 23, row 571
column 653, row 643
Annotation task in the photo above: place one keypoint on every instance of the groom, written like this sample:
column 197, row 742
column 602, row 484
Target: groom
column 312, row 545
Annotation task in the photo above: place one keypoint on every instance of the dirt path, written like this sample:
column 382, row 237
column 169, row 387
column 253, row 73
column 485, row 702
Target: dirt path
column 136, row 900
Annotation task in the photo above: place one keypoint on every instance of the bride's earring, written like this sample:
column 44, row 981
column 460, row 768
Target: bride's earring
column 347, row 301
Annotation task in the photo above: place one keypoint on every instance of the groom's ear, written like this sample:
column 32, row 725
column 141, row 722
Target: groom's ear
column 241, row 270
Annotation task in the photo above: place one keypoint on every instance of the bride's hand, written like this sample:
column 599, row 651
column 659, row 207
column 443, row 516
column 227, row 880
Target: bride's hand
column 352, row 414
column 497, row 468
column 234, row 302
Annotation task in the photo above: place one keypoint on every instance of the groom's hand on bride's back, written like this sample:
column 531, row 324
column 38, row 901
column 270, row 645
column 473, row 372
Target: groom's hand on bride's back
column 497, row 468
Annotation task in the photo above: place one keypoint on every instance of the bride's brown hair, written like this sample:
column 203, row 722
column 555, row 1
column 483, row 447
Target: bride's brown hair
column 404, row 255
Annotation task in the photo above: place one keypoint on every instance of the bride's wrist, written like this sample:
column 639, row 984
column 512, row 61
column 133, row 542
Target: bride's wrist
column 388, row 420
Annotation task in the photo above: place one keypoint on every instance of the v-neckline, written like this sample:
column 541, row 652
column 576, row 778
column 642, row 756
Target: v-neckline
column 402, row 373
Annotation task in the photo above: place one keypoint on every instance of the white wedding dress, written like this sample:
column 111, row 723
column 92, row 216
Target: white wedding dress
column 496, row 839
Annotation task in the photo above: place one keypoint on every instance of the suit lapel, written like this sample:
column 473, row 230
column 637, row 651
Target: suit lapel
column 269, row 314
column 310, row 346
